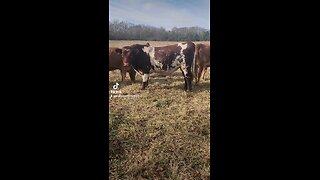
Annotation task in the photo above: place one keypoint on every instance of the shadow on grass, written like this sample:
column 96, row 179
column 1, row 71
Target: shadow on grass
column 119, row 140
column 165, row 82
column 196, row 88
column 120, row 143
column 116, row 149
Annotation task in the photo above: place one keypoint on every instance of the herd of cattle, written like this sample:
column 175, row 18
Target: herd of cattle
column 191, row 59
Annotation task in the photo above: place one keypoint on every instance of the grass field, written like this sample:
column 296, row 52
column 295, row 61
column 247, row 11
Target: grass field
column 162, row 132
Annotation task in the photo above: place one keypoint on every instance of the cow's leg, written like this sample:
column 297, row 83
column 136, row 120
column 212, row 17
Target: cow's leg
column 123, row 74
column 185, row 80
column 145, row 78
column 204, row 72
column 196, row 74
column 188, row 77
column 199, row 73
column 132, row 74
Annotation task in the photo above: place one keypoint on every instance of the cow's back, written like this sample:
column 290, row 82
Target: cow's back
column 203, row 55
column 115, row 61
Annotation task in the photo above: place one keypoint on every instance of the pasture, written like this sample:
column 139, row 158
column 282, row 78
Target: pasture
column 162, row 132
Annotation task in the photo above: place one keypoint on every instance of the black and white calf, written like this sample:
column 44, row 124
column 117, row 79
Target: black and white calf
column 146, row 59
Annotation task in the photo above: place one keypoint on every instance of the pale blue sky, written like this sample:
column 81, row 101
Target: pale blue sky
column 162, row 13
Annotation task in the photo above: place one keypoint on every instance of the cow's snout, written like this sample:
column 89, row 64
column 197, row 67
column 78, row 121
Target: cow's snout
column 126, row 64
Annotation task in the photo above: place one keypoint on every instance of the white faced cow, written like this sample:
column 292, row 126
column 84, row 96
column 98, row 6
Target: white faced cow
column 146, row 59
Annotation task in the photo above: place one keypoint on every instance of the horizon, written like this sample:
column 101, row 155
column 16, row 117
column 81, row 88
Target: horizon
column 169, row 13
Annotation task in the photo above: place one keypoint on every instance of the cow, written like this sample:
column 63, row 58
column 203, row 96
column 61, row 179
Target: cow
column 146, row 59
column 202, row 61
column 115, row 62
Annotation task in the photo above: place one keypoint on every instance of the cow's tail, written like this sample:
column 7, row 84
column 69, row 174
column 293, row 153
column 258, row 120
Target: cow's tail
column 194, row 69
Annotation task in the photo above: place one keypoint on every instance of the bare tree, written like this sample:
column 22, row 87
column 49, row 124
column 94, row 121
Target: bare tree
column 120, row 30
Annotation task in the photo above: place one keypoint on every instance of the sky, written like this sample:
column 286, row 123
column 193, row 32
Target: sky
column 162, row 13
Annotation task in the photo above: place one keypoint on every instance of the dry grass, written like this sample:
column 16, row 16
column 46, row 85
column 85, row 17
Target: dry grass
column 163, row 132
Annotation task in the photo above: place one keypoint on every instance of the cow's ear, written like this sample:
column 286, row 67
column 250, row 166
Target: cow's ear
column 119, row 51
column 147, row 44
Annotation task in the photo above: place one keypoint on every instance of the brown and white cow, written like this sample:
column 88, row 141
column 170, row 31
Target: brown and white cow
column 115, row 62
column 202, row 61
column 146, row 59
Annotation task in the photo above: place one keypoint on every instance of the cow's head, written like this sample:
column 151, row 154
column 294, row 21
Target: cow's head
column 128, row 55
column 118, row 51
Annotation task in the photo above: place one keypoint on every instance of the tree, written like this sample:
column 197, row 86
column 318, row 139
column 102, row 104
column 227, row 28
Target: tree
column 120, row 30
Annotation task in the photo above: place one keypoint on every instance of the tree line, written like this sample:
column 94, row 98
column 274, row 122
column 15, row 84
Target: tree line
column 121, row 30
